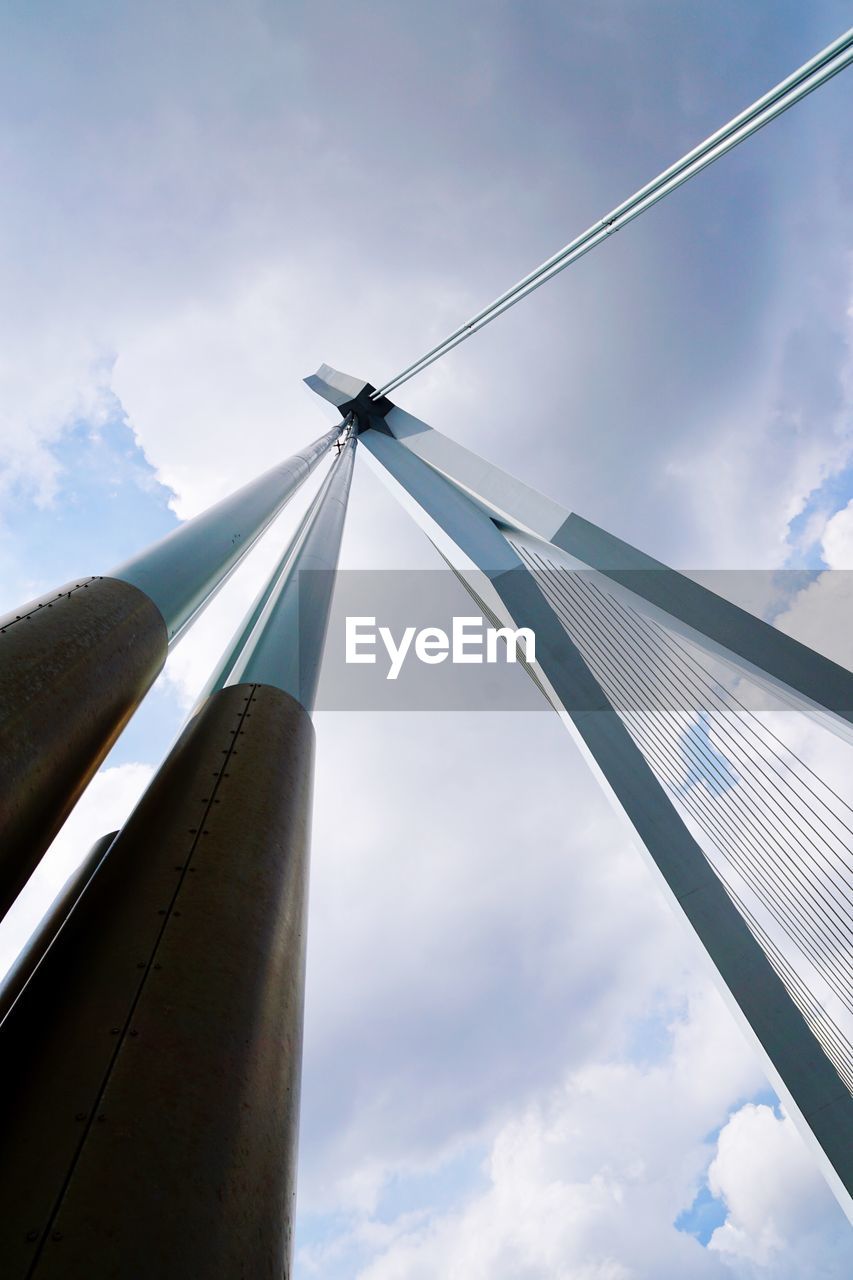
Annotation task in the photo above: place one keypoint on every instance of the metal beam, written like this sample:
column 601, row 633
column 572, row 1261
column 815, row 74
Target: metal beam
column 810, row 76
column 804, row 1077
column 75, row 664
column 150, row 1070
column 183, row 571
column 285, row 647
column 780, row 663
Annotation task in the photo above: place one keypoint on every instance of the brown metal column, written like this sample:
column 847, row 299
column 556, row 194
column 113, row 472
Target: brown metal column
column 15, row 980
column 150, row 1074
column 74, row 666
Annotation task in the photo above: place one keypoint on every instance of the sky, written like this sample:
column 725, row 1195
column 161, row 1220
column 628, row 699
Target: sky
column 515, row 1063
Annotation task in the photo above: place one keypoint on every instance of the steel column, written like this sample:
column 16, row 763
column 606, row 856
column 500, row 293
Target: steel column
column 777, row 661
column 75, row 664
column 818, row 1101
column 42, row 937
column 149, row 1072
column 286, row 646
column 73, row 667
column 287, row 622
column 183, row 571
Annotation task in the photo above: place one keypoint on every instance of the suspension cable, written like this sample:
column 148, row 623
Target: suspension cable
column 800, row 895
column 752, row 853
column 817, row 71
column 759, row 818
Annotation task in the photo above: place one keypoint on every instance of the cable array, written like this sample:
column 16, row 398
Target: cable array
column 780, row 839
column 822, row 67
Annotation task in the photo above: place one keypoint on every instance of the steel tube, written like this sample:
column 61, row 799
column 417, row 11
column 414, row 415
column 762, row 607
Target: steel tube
column 150, row 1073
column 285, row 649
column 75, row 664
column 241, row 637
column 183, row 571
column 43, row 936
column 73, row 667
column 810, row 76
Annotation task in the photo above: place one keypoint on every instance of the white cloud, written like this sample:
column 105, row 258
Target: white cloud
column 586, row 1181
column 477, row 920
column 837, row 540
column 48, row 379
column 781, row 1221
column 217, row 205
column 819, row 616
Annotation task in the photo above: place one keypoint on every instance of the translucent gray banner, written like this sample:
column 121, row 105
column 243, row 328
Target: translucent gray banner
column 422, row 641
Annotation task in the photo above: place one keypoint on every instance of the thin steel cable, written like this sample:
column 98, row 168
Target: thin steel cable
column 807, row 933
column 830, row 1035
column 743, row 801
column 824, row 878
column 746, row 719
column 828, row 1032
column 810, row 76
column 730, row 741
column 688, row 657
column 625, row 697
column 780, row 906
column 809, row 941
column 742, row 724
column 645, row 670
column 839, row 1040
column 805, row 937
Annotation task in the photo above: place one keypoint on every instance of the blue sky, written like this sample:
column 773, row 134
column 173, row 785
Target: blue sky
column 514, row 1065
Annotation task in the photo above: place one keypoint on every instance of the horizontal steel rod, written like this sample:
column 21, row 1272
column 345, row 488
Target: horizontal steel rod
column 810, row 76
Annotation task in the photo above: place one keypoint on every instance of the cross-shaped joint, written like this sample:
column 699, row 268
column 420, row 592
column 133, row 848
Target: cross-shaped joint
column 350, row 396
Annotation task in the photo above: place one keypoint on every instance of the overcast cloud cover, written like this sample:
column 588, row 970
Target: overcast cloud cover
column 515, row 1065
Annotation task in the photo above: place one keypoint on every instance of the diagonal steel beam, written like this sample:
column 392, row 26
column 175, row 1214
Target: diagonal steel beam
column 804, row 1077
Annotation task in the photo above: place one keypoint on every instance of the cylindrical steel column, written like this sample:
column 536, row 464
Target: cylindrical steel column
column 149, row 1072
column 280, row 574
column 75, row 664
column 73, row 667
column 286, row 646
column 42, row 937
column 183, row 571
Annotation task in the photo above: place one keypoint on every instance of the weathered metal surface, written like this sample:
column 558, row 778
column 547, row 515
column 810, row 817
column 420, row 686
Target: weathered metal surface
column 73, row 667
column 48, row 927
column 150, row 1072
